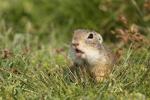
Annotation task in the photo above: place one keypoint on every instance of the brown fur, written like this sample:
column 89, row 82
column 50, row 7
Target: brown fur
column 96, row 59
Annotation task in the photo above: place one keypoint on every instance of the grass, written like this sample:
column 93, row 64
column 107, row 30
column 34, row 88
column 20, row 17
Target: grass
column 34, row 41
column 40, row 75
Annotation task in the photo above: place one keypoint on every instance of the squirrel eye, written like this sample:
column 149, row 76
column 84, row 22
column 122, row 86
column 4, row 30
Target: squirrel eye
column 90, row 36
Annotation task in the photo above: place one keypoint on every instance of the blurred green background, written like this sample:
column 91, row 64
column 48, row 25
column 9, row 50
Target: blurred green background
column 53, row 21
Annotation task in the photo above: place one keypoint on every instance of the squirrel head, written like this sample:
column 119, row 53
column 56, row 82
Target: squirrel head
column 86, row 44
column 90, row 38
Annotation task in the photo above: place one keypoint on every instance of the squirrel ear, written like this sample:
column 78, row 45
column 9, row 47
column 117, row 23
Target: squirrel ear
column 100, row 38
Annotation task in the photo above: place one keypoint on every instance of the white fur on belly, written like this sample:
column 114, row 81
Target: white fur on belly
column 93, row 56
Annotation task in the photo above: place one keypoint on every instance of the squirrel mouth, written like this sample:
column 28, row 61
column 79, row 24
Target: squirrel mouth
column 78, row 51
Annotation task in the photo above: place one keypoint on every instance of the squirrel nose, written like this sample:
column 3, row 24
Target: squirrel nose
column 75, row 44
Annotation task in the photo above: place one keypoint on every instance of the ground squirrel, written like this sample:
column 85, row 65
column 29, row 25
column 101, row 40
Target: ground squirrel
column 87, row 50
